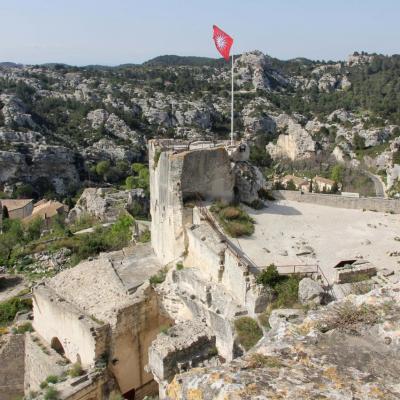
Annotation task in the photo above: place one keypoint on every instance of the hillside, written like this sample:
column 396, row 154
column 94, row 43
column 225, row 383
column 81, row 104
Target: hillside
column 58, row 122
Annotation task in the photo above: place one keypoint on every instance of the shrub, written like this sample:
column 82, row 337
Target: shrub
column 270, row 276
column 235, row 221
column 285, row 288
column 52, row 379
column 287, row 292
column 43, row 385
column 257, row 204
column 9, row 308
column 51, row 394
column 248, row 332
column 179, row 266
column 230, row 213
column 145, row 237
column 75, row 370
column 25, row 327
column 159, row 277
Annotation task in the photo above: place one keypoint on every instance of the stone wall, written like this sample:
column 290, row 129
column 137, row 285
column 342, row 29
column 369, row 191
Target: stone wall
column 175, row 177
column 137, row 326
column 40, row 362
column 362, row 203
column 54, row 317
column 12, row 358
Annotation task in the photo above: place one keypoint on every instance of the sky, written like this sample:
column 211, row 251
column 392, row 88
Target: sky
column 112, row 32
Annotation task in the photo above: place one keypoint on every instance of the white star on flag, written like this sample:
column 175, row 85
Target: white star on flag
column 221, row 42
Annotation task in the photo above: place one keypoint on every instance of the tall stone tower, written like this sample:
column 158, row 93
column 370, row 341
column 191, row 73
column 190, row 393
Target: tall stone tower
column 180, row 173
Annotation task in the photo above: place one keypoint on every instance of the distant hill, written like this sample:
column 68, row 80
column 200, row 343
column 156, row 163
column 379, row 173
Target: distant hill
column 174, row 60
column 8, row 64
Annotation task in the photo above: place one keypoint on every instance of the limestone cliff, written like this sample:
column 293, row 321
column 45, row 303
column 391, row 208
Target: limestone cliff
column 346, row 350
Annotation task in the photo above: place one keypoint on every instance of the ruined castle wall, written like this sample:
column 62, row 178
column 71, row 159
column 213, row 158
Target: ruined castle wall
column 205, row 252
column 176, row 176
column 362, row 203
column 54, row 317
column 234, row 277
column 12, row 355
column 40, row 362
column 137, row 326
column 166, row 207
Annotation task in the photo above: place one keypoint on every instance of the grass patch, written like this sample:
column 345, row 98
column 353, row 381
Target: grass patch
column 260, row 361
column 25, row 327
column 248, row 332
column 349, row 318
column 51, row 394
column 76, row 370
column 179, row 266
column 145, row 237
column 234, row 221
column 159, row 277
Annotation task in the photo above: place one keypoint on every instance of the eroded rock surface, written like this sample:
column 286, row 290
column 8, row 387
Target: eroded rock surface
column 346, row 350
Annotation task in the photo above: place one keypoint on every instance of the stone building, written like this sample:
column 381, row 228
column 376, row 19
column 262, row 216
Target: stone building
column 300, row 183
column 18, row 209
column 100, row 310
column 323, row 184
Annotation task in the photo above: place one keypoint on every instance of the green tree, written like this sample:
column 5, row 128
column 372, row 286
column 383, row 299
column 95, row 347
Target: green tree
column 358, row 142
column 102, row 168
column 337, row 173
column 290, row 185
column 130, row 182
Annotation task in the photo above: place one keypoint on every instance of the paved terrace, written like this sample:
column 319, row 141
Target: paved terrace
column 289, row 233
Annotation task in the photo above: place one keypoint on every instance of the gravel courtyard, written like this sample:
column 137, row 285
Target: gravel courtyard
column 288, row 232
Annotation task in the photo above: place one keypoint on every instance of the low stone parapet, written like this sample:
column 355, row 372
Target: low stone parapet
column 333, row 200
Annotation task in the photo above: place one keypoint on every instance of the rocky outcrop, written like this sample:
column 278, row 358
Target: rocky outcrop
column 249, row 181
column 320, row 356
column 295, row 143
column 311, row 292
column 15, row 112
column 106, row 204
column 51, row 165
column 256, row 119
column 254, row 69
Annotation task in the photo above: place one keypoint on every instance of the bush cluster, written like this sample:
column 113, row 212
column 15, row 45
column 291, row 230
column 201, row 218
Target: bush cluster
column 235, row 221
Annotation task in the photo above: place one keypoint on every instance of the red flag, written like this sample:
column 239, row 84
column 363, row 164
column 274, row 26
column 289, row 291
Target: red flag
column 223, row 42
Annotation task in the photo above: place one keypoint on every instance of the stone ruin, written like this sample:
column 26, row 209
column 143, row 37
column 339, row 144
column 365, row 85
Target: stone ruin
column 105, row 315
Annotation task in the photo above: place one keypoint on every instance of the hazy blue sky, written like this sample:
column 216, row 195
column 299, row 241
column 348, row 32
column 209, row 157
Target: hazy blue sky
column 122, row 31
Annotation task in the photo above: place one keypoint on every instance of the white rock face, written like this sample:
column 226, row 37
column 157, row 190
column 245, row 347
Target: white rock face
column 253, row 68
column 248, row 181
column 106, row 204
column 256, row 119
column 113, row 124
column 15, row 112
column 359, row 59
column 297, row 143
column 339, row 154
column 310, row 291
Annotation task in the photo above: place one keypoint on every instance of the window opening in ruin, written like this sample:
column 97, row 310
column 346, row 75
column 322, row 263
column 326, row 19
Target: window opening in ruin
column 57, row 346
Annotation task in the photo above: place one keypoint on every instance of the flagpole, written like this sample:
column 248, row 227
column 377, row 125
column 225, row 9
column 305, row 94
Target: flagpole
column 232, row 107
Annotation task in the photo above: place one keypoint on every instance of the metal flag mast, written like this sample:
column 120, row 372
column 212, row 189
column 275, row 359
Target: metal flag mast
column 232, row 106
